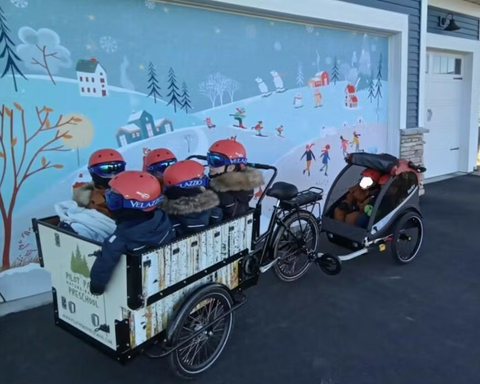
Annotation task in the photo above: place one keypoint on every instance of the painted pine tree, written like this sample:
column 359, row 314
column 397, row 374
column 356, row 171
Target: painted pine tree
column 185, row 98
column 300, row 79
column 378, row 83
column 335, row 73
column 371, row 88
column 8, row 52
column 153, row 83
column 174, row 95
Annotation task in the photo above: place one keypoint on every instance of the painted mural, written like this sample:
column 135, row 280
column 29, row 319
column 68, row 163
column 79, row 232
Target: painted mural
column 140, row 74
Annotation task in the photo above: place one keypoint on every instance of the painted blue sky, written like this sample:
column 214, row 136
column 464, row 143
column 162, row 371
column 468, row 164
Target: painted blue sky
column 193, row 41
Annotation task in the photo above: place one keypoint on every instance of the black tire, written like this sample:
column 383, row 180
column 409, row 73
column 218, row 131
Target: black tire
column 182, row 361
column 285, row 267
column 408, row 228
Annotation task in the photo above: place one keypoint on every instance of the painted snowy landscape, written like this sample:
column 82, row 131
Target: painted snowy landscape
column 88, row 78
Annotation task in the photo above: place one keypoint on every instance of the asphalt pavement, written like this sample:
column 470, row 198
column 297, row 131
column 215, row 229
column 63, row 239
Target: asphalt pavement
column 375, row 323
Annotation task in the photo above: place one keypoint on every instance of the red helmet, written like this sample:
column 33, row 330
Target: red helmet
column 373, row 174
column 226, row 152
column 133, row 190
column 185, row 174
column 157, row 161
column 106, row 163
column 327, row 146
column 106, row 155
column 384, row 179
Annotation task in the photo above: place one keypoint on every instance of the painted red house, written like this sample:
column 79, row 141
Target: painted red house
column 351, row 99
column 320, row 79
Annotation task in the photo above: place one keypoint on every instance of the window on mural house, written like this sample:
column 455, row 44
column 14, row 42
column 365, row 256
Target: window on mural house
column 93, row 80
column 102, row 80
column 81, row 78
column 446, row 65
column 86, row 79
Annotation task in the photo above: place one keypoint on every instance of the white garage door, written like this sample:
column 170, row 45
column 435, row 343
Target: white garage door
column 444, row 113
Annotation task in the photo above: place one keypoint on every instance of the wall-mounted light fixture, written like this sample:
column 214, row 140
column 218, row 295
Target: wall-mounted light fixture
column 448, row 23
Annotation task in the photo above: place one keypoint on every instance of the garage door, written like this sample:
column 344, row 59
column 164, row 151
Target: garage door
column 444, row 113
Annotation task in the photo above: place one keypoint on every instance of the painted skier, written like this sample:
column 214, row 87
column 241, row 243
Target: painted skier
column 278, row 81
column 344, row 146
column 209, row 123
column 325, row 159
column 298, row 101
column 309, row 155
column 356, row 141
column 317, row 96
column 263, row 87
column 280, row 131
column 239, row 116
column 259, row 128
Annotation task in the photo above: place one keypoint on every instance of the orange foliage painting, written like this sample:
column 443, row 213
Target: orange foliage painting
column 21, row 157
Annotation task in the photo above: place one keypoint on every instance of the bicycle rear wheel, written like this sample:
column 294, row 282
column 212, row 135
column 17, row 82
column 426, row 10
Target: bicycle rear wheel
column 293, row 243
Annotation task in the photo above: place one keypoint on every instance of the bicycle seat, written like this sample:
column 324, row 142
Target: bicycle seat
column 282, row 191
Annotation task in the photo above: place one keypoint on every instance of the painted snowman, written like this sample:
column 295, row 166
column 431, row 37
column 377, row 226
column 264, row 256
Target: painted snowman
column 277, row 80
column 298, row 101
column 262, row 87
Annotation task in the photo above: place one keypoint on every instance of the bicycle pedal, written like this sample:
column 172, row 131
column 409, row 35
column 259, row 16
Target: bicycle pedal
column 266, row 267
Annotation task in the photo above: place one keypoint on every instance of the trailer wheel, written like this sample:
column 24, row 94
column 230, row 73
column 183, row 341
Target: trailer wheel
column 407, row 237
column 199, row 313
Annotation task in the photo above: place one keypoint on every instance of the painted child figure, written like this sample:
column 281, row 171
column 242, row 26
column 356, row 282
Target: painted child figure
column 133, row 198
column 325, row 156
column 103, row 165
column 157, row 161
column 230, row 178
column 190, row 205
column 309, row 155
column 317, row 96
column 239, row 116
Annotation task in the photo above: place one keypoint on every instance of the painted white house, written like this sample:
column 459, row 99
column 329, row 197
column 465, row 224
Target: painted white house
column 92, row 78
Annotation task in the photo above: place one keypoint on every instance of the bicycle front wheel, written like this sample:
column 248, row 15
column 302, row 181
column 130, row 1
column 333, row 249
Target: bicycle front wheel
column 293, row 243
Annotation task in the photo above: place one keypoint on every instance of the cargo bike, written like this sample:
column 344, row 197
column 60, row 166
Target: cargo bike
column 393, row 218
column 179, row 300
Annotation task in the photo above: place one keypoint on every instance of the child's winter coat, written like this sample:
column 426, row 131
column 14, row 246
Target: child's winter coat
column 191, row 211
column 235, row 190
column 132, row 236
column 85, row 222
column 87, row 196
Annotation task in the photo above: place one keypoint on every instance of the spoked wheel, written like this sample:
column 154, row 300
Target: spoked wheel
column 407, row 237
column 200, row 352
column 294, row 243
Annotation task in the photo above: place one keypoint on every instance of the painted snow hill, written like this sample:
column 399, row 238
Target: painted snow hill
column 300, row 124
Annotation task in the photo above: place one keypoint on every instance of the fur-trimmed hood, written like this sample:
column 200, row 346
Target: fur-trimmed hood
column 188, row 205
column 83, row 194
column 248, row 179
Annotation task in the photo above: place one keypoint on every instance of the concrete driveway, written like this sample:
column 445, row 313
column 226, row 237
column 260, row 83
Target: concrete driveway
column 374, row 323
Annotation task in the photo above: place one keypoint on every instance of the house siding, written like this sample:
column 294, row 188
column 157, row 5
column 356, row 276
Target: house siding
column 469, row 25
column 412, row 8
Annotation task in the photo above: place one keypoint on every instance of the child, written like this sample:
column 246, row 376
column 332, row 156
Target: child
column 103, row 165
column 230, row 178
column 358, row 197
column 190, row 206
column 132, row 199
column 157, row 161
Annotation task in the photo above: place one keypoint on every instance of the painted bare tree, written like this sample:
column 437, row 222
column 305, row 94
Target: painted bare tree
column 21, row 157
column 188, row 138
column 41, row 50
column 232, row 87
column 207, row 88
column 221, row 84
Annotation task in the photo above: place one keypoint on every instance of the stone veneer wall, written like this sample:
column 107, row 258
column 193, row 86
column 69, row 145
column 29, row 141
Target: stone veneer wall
column 411, row 148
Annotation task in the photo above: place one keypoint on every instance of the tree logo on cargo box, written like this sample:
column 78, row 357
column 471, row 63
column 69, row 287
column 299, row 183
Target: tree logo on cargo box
column 78, row 264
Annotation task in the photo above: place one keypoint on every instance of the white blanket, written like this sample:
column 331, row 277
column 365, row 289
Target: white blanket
column 85, row 222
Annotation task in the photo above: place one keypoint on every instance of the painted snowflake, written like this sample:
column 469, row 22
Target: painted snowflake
column 309, row 28
column 328, row 60
column 20, row 3
column 108, row 44
column 150, row 4
column 277, row 46
column 251, row 31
